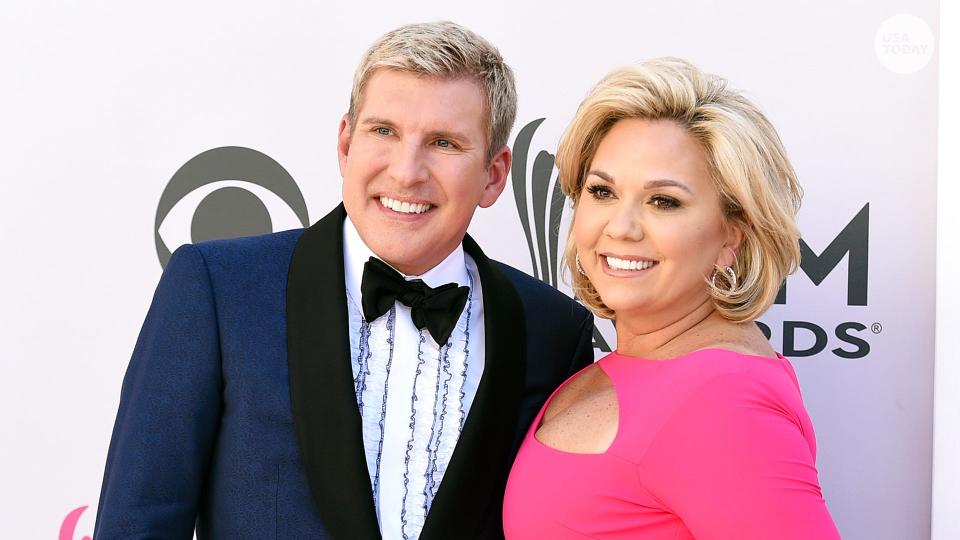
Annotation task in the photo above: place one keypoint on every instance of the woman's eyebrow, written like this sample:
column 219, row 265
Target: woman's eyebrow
column 603, row 175
column 650, row 184
column 666, row 182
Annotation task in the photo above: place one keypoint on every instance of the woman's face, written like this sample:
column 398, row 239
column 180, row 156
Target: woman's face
column 649, row 226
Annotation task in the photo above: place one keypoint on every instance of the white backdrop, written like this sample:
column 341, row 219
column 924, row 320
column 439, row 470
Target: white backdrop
column 946, row 466
column 103, row 102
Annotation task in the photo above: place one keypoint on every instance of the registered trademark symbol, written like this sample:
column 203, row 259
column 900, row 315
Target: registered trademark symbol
column 876, row 328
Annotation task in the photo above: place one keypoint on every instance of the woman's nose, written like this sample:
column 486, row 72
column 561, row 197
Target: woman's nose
column 625, row 223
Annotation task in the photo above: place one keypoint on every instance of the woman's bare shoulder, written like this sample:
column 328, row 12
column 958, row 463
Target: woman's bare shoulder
column 743, row 338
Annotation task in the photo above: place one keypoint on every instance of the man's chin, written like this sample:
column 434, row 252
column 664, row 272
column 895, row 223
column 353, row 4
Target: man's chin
column 409, row 260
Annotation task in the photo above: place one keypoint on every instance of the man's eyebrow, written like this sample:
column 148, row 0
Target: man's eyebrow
column 436, row 134
column 448, row 134
column 376, row 120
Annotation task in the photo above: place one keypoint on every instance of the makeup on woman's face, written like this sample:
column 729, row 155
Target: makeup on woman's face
column 649, row 226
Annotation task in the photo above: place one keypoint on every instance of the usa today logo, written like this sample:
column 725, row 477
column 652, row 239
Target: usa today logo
column 533, row 188
column 226, row 192
column 904, row 43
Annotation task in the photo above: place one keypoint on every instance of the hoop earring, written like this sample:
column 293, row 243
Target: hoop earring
column 731, row 276
column 579, row 266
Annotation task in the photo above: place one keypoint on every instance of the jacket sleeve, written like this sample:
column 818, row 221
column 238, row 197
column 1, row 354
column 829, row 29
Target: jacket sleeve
column 583, row 354
column 169, row 413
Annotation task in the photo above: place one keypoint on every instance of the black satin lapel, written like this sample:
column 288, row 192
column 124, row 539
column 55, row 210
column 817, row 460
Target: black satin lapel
column 473, row 484
column 325, row 412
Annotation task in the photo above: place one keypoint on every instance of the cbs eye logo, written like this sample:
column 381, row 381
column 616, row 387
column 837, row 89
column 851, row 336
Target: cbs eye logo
column 225, row 193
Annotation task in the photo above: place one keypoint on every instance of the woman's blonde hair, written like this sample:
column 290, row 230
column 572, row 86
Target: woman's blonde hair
column 758, row 188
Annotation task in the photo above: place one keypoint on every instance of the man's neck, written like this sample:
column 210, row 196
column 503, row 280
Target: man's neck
column 452, row 269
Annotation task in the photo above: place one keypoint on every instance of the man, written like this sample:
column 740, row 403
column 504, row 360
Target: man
column 371, row 376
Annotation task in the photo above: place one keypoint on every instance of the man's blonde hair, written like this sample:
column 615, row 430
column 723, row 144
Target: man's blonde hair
column 445, row 50
column 758, row 188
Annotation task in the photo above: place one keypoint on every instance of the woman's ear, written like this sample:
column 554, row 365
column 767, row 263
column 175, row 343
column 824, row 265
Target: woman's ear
column 733, row 239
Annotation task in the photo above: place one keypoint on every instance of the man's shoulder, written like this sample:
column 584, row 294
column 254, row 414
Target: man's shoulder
column 248, row 255
column 263, row 246
column 540, row 297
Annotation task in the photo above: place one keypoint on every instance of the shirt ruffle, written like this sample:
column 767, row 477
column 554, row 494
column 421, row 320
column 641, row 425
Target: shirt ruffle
column 438, row 406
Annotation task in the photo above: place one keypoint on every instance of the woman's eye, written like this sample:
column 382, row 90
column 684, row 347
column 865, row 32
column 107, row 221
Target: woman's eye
column 599, row 191
column 661, row 201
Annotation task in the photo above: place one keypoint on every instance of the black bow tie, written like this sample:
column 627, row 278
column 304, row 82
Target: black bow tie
column 438, row 309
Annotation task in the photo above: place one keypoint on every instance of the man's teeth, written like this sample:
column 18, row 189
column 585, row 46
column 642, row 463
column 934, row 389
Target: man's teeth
column 404, row 207
column 623, row 264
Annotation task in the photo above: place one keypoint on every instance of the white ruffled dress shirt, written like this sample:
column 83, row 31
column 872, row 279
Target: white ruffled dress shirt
column 413, row 395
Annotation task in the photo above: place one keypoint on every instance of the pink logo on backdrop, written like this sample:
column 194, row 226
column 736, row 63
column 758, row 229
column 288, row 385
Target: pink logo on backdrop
column 69, row 526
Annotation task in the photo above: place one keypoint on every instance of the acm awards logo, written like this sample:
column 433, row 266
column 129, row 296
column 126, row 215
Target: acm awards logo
column 547, row 202
column 543, row 243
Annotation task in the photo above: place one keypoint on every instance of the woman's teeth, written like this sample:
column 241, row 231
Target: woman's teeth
column 623, row 264
column 404, row 207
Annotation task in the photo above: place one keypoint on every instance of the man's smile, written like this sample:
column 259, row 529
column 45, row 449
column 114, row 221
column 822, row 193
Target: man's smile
column 404, row 207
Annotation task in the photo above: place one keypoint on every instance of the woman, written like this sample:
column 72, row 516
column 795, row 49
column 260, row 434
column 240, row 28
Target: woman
column 683, row 231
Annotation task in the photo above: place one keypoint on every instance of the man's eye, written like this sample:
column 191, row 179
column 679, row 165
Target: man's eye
column 384, row 131
column 444, row 143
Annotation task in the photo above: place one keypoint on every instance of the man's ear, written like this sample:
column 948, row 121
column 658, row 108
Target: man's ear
column 496, row 177
column 733, row 240
column 343, row 143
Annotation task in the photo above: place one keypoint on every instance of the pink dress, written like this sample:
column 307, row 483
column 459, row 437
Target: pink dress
column 712, row 444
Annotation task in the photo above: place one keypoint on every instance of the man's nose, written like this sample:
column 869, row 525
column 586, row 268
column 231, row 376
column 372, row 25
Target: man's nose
column 407, row 164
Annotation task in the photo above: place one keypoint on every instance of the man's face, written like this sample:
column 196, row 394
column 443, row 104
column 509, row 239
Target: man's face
column 414, row 169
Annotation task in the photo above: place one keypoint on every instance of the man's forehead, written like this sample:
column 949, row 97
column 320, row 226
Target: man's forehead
column 399, row 73
column 445, row 103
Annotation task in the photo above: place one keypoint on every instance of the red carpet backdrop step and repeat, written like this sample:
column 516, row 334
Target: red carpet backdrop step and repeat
column 131, row 128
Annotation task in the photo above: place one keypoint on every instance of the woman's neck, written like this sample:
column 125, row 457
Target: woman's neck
column 636, row 336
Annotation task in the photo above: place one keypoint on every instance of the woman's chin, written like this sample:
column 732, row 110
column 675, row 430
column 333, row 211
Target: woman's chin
column 627, row 307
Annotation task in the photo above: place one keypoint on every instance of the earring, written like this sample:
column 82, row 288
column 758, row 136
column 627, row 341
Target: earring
column 730, row 275
column 579, row 266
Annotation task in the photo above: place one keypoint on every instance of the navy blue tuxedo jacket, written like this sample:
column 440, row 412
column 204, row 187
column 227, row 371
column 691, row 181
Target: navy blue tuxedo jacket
column 237, row 414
